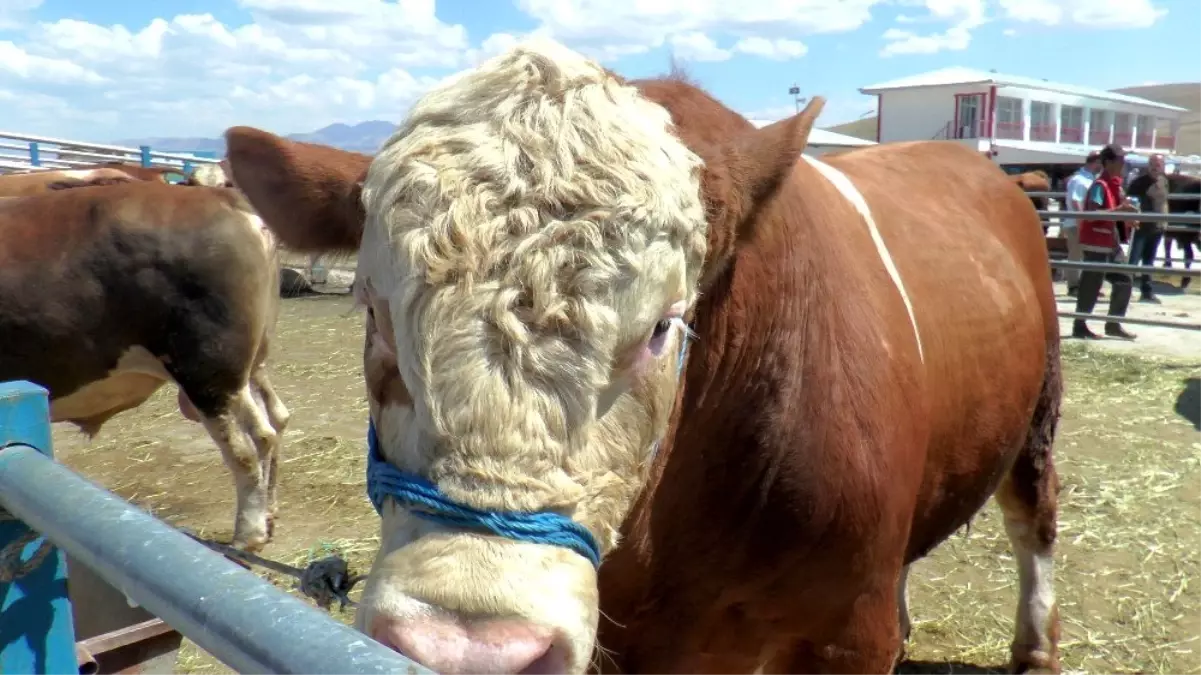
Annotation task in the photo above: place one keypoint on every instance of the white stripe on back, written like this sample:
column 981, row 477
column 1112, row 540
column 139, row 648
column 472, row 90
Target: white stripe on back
column 844, row 185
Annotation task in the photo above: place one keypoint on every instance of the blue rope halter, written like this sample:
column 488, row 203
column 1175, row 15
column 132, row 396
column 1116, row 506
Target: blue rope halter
column 425, row 500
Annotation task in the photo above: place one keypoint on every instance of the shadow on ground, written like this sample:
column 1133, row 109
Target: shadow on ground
column 1188, row 403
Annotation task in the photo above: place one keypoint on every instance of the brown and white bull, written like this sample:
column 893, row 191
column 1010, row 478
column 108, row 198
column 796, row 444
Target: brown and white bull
column 107, row 293
column 871, row 358
column 40, row 182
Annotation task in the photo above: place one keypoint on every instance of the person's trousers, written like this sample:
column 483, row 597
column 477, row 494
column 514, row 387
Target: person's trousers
column 1143, row 247
column 1186, row 248
column 1071, row 235
column 1090, row 285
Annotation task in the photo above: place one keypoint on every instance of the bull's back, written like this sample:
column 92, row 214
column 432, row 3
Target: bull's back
column 88, row 273
column 969, row 247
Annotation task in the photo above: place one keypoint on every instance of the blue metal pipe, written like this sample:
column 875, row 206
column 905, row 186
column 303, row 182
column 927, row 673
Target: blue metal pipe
column 238, row 617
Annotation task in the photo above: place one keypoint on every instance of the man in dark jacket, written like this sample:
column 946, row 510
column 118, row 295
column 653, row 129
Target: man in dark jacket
column 1151, row 189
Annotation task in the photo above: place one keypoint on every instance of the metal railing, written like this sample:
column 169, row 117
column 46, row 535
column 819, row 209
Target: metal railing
column 1063, row 195
column 1177, row 222
column 26, row 152
column 229, row 612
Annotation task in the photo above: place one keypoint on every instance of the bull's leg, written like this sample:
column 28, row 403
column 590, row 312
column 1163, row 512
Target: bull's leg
column 1029, row 498
column 277, row 412
column 255, row 423
column 278, row 415
column 251, row 527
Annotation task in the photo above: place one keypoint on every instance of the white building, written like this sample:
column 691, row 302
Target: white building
column 822, row 141
column 1022, row 120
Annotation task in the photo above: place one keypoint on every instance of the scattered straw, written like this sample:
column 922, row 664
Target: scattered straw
column 1128, row 564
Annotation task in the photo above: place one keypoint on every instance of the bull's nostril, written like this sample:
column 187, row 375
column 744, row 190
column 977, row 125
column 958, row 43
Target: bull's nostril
column 446, row 645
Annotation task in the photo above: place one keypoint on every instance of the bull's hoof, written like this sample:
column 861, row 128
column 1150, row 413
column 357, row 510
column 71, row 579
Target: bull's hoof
column 253, row 543
column 1034, row 661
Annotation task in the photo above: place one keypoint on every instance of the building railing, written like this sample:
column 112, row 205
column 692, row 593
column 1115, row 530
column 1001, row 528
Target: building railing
column 26, row 152
column 1042, row 132
column 1123, row 138
column 1011, row 130
column 1144, row 140
column 236, row 616
column 953, row 130
column 1165, row 142
column 1071, row 135
column 1098, row 136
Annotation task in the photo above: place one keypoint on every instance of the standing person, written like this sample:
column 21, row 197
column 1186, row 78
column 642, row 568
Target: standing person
column 1099, row 239
column 1151, row 189
column 1076, row 189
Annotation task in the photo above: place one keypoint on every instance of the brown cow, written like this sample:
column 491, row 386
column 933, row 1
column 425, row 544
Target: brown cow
column 873, row 358
column 39, row 182
column 1034, row 181
column 150, row 173
column 107, row 293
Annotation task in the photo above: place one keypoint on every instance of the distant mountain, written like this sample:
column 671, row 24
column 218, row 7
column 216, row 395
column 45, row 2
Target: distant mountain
column 364, row 137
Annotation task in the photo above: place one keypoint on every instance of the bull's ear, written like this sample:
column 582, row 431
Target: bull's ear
column 308, row 194
column 744, row 174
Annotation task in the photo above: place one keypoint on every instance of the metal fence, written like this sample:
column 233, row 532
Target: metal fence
column 1175, row 222
column 46, row 509
column 25, row 152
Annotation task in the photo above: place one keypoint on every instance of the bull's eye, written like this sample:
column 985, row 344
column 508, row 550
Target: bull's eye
column 659, row 335
column 661, row 329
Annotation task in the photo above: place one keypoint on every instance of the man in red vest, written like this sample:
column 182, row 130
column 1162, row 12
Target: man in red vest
column 1099, row 242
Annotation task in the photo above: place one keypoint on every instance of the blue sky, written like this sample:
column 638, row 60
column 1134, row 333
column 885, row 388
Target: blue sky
column 105, row 70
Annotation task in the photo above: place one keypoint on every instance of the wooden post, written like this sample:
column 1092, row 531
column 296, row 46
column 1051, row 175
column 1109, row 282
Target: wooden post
column 36, row 631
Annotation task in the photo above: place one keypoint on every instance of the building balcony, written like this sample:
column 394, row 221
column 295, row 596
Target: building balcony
column 1123, row 138
column 1098, row 137
column 1165, row 142
column 1071, row 135
column 1011, row 130
column 1042, row 132
column 1142, row 140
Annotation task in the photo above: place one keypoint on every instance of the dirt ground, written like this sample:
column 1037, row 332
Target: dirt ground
column 1128, row 452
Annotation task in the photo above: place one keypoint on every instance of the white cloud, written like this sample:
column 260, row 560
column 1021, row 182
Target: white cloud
column 14, row 13
column 609, row 29
column 696, row 46
column 1085, row 13
column 780, row 49
column 298, row 65
column 18, row 63
column 963, row 15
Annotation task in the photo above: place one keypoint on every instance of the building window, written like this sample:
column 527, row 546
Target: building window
column 969, row 113
column 1009, row 118
column 1071, row 124
column 1123, row 129
column 1098, row 127
column 1144, row 131
column 1042, row 122
column 1164, row 138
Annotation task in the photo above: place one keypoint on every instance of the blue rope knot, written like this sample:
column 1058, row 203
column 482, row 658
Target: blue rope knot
column 427, row 501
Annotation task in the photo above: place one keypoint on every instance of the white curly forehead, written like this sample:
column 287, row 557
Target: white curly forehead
column 515, row 218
